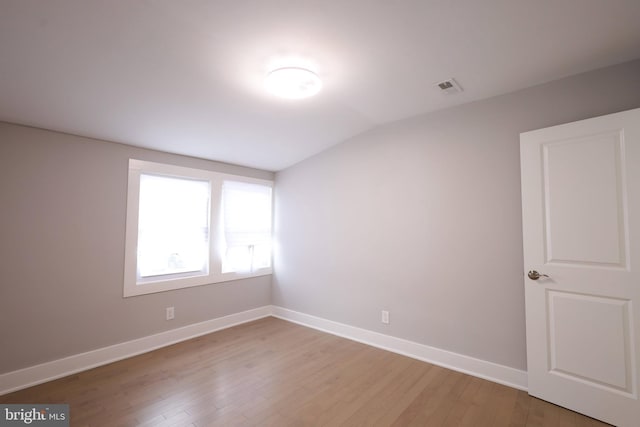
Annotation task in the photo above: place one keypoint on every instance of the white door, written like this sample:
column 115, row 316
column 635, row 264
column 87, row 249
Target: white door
column 581, row 228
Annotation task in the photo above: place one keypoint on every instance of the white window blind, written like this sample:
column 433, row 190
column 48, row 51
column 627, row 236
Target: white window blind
column 247, row 226
column 173, row 226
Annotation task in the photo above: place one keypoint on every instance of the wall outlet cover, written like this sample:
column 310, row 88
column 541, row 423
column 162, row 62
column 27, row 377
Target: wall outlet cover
column 385, row 317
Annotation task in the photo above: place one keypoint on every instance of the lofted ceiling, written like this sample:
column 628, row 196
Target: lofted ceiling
column 187, row 76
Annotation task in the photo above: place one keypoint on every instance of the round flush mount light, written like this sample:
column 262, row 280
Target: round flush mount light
column 293, row 82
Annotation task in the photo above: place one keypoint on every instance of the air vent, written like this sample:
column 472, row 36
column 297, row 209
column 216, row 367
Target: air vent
column 449, row 86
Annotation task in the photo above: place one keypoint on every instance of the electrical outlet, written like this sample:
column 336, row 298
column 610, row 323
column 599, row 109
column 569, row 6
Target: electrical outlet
column 385, row 317
column 170, row 313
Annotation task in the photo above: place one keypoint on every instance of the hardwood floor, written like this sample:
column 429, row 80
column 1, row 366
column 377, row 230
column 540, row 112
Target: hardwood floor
column 274, row 373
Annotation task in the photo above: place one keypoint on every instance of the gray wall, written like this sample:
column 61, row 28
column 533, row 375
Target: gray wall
column 62, row 250
column 422, row 218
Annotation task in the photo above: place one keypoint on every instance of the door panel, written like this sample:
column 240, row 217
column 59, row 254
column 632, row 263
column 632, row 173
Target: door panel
column 578, row 174
column 581, row 228
column 589, row 339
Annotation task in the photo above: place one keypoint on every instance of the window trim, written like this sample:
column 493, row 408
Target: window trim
column 136, row 168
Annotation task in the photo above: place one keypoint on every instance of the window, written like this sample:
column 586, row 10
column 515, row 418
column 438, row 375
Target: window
column 247, row 226
column 189, row 227
column 173, row 227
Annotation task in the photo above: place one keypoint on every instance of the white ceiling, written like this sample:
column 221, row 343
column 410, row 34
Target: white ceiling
column 187, row 76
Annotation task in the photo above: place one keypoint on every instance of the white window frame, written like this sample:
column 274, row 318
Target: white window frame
column 132, row 287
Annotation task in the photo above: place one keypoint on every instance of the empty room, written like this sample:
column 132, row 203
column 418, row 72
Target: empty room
column 320, row 213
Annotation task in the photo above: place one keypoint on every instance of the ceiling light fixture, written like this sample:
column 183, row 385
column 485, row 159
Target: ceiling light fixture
column 293, row 82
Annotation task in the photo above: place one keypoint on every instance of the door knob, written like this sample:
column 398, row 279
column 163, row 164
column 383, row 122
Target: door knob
column 534, row 275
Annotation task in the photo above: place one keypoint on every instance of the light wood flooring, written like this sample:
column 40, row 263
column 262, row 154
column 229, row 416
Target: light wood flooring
column 274, row 373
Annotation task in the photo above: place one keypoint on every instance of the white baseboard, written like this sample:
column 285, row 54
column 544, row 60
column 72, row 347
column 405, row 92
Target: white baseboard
column 38, row 374
column 479, row 368
column 33, row 375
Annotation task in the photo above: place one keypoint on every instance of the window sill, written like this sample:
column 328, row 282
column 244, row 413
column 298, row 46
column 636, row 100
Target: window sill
column 132, row 290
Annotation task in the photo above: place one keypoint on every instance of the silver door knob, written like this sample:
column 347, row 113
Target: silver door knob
column 534, row 275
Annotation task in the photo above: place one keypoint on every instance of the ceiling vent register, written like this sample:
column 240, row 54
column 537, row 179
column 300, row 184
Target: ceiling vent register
column 449, row 86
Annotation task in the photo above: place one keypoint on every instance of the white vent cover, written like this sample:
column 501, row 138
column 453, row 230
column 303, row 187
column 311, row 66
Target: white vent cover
column 449, row 86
